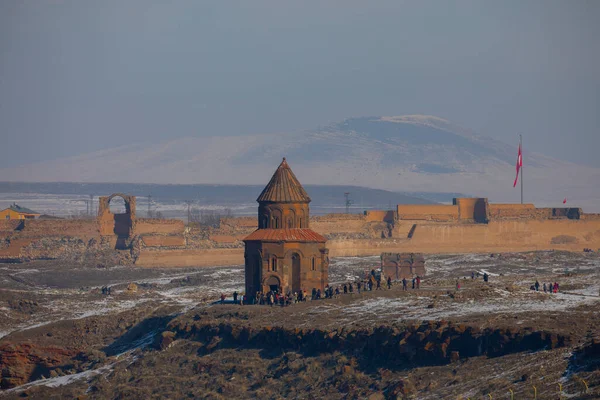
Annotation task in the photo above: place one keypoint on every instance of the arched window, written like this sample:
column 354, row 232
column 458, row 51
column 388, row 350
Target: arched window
column 276, row 222
column 313, row 264
column 274, row 264
column 265, row 222
column 290, row 223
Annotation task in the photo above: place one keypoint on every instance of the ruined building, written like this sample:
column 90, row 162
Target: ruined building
column 284, row 253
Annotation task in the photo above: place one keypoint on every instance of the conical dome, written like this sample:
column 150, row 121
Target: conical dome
column 284, row 187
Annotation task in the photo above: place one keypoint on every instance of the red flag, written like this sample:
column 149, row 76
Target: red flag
column 565, row 201
column 519, row 165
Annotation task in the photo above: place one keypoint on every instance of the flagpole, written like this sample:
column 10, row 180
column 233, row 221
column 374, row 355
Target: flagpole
column 521, row 147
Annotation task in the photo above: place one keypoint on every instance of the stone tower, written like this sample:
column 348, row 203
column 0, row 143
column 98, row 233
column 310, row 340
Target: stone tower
column 283, row 253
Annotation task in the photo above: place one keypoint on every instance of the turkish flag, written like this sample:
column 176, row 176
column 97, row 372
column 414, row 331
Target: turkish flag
column 519, row 164
column 565, row 201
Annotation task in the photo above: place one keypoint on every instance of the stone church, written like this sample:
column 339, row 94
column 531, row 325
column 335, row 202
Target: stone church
column 284, row 254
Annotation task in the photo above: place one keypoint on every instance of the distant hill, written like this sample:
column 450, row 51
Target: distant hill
column 411, row 153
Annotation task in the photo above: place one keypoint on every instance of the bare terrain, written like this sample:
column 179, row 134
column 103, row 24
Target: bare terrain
column 159, row 334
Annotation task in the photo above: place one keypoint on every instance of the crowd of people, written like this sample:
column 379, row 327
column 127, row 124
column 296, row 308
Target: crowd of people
column 372, row 282
column 547, row 288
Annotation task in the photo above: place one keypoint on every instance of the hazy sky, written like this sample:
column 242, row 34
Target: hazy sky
column 83, row 75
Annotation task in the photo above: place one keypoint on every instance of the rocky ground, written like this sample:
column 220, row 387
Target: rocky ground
column 159, row 335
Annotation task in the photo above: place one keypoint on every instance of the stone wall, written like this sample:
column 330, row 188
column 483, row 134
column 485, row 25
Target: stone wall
column 380, row 216
column 427, row 212
column 163, row 241
column 518, row 211
column 84, row 228
column 8, row 226
column 159, row 226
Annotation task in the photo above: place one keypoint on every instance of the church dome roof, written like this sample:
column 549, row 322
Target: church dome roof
column 284, row 187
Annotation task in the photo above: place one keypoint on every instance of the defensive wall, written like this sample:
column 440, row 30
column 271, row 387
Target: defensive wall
column 467, row 225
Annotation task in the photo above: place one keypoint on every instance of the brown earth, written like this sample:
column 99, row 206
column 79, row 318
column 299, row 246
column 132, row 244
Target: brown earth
column 165, row 339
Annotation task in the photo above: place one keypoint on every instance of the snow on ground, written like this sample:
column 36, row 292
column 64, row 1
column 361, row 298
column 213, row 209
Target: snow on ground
column 62, row 380
column 187, row 288
column 418, row 309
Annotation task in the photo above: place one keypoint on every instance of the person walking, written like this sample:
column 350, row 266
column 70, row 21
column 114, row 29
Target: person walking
column 404, row 288
column 378, row 284
column 222, row 298
column 544, row 287
column 414, row 281
column 537, row 286
column 389, row 282
column 457, row 285
column 358, row 285
column 418, row 281
column 485, row 277
column 235, row 296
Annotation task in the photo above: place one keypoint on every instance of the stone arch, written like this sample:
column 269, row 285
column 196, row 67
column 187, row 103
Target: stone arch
column 276, row 218
column 120, row 225
column 291, row 219
column 288, row 254
column 126, row 200
column 271, row 281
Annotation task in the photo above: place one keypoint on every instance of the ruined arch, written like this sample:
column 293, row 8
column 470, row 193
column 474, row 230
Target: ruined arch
column 120, row 226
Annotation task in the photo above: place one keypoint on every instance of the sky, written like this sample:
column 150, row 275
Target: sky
column 83, row 75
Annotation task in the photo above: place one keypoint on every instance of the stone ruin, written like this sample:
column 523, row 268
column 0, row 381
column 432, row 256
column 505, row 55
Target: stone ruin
column 402, row 265
column 117, row 227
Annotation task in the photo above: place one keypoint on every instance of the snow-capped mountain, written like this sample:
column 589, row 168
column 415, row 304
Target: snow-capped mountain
column 405, row 153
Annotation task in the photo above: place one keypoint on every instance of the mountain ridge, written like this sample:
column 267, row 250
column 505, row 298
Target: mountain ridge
column 416, row 153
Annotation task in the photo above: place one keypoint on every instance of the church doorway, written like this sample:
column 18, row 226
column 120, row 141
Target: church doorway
column 296, row 272
column 273, row 284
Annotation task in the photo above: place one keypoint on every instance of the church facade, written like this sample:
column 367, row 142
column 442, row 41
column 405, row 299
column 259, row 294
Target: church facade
column 284, row 254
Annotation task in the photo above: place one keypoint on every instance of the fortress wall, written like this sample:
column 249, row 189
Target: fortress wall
column 83, row 228
column 7, row 226
column 190, row 258
column 379, row 216
column 240, row 222
column 227, row 238
column 518, row 211
column 507, row 236
column 163, row 241
column 363, row 247
column 472, row 209
column 429, row 237
column 427, row 212
column 591, row 217
column 333, row 225
column 511, row 206
column 159, row 226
